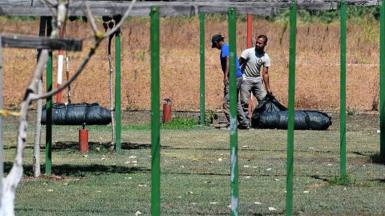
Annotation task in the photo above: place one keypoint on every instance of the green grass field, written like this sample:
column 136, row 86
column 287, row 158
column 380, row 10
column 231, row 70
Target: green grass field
column 195, row 172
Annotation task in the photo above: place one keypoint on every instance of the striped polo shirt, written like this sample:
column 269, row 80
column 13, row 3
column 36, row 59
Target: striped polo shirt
column 255, row 62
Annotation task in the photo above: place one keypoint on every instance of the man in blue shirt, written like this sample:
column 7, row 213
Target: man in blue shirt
column 219, row 43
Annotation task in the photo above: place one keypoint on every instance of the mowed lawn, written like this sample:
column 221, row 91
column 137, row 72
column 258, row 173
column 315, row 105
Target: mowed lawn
column 195, row 172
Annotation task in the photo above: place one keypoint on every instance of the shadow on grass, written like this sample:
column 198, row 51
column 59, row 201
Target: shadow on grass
column 359, row 153
column 228, row 174
column 103, row 145
column 342, row 180
column 319, row 178
column 71, row 145
column 107, row 211
column 380, row 180
column 335, row 180
column 80, row 170
column 66, row 211
column 377, row 159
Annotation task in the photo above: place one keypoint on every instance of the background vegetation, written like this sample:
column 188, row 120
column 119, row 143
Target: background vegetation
column 317, row 60
column 195, row 160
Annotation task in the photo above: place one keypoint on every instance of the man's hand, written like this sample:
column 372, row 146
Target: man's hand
column 269, row 92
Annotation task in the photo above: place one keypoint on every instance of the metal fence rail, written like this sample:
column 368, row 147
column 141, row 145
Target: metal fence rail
column 172, row 8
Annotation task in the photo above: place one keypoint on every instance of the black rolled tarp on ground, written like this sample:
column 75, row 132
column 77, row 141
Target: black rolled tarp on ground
column 273, row 115
column 78, row 114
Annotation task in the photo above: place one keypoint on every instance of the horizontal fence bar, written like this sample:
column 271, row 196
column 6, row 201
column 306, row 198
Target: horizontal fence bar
column 40, row 43
column 172, row 8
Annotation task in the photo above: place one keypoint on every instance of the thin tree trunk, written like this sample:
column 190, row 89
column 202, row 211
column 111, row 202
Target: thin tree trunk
column 14, row 177
column 112, row 107
column 36, row 148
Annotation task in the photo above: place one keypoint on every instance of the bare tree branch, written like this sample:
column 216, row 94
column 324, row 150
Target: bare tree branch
column 12, row 180
column 36, row 148
column 91, row 19
column 117, row 26
column 62, row 13
column 99, row 37
column 14, row 177
column 16, row 173
column 32, row 93
column 82, row 65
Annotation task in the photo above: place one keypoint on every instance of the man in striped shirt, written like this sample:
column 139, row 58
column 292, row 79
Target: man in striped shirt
column 255, row 63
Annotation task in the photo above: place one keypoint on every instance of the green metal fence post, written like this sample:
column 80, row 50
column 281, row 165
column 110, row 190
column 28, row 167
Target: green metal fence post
column 290, row 131
column 202, row 68
column 118, row 131
column 232, row 21
column 343, row 90
column 49, row 102
column 155, row 113
column 382, row 81
column 48, row 135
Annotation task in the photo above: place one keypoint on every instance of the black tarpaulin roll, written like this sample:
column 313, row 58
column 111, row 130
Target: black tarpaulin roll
column 273, row 115
column 78, row 114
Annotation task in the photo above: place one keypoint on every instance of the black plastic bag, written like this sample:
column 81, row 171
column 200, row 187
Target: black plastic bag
column 78, row 114
column 271, row 114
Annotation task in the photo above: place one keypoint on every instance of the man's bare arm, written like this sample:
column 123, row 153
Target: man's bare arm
column 226, row 73
column 242, row 63
column 265, row 75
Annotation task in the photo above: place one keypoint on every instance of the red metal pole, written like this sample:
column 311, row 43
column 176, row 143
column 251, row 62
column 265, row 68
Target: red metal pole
column 167, row 113
column 249, row 44
column 249, row 30
column 83, row 140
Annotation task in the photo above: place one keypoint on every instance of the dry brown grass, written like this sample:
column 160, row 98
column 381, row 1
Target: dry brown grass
column 317, row 75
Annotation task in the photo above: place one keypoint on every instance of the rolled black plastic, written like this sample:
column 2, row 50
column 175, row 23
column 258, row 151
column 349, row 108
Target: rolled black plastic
column 78, row 114
column 271, row 114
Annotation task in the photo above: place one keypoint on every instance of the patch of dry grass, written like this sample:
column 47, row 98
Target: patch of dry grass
column 317, row 84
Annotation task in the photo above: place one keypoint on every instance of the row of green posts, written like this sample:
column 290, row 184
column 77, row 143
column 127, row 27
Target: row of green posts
column 291, row 101
column 155, row 133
